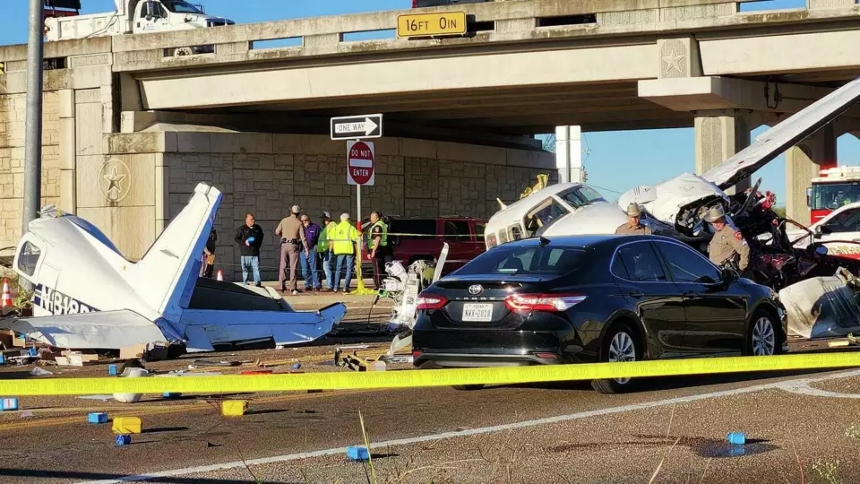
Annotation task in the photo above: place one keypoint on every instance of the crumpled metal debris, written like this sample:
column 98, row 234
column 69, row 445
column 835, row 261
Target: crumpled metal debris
column 823, row 307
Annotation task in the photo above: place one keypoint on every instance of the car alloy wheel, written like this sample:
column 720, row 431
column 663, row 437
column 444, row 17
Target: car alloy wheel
column 763, row 337
column 622, row 349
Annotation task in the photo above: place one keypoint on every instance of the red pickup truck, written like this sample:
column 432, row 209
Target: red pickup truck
column 422, row 238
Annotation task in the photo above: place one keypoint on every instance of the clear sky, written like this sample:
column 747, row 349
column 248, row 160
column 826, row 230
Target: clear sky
column 615, row 161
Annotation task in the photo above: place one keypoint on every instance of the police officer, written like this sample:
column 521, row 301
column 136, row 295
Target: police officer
column 378, row 249
column 728, row 244
column 632, row 226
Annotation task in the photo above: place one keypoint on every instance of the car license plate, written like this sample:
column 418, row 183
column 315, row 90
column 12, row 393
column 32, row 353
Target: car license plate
column 478, row 312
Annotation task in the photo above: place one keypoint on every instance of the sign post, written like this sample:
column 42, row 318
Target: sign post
column 360, row 165
column 360, row 171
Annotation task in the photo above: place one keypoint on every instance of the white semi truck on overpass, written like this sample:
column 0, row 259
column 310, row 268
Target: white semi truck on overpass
column 131, row 17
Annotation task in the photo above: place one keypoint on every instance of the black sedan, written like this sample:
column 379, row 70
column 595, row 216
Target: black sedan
column 593, row 299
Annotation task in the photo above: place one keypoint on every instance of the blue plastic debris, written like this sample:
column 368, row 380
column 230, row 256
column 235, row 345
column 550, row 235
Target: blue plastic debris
column 33, row 352
column 97, row 418
column 296, row 366
column 112, row 370
column 737, row 438
column 357, row 452
column 123, row 439
column 171, row 395
column 2, row 360
column 8, row 404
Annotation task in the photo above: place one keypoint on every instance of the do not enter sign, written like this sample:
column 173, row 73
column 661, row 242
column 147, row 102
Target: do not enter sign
column 360, row 163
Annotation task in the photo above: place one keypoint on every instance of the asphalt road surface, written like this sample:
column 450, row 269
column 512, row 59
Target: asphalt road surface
column 801, row 427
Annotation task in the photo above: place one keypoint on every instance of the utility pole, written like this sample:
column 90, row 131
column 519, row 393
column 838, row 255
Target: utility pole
column 33, row 136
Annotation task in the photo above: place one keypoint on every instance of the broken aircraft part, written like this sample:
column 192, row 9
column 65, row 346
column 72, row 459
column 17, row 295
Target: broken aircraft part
column 823, row 307
column 89, row 296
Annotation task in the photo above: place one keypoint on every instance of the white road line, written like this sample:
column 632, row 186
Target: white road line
column 482, row 430
column 803, row 388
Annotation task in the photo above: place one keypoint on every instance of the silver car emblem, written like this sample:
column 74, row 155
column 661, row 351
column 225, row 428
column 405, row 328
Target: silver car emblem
column 475, row 289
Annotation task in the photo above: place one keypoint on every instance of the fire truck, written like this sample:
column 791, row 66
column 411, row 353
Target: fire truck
column 835, row 188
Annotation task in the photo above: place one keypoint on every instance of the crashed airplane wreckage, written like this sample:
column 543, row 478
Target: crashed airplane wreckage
column 87, row 295
column 675, row 208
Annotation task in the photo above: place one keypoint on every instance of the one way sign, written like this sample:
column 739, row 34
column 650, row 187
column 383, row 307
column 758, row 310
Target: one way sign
column 356, row 127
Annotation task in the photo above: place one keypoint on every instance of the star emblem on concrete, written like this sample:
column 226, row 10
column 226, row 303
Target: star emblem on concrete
column 673, row 60
column 114, row 178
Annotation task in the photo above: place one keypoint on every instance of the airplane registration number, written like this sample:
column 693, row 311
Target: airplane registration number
column 478, row 312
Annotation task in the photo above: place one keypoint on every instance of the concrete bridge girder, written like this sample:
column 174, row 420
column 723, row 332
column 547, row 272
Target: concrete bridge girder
column 727, row 109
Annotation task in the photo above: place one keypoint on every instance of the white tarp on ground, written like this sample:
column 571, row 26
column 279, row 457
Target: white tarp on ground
column 821, row 307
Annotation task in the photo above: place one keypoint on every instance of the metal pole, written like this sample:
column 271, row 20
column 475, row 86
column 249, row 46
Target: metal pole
column 33, row 136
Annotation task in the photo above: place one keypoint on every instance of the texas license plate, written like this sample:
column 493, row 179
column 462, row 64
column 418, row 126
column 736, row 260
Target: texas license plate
column 478, row 312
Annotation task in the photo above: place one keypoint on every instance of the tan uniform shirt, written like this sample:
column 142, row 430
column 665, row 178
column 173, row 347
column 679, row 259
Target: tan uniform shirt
column 626, row 229
column 291, row 228
column 725, row 244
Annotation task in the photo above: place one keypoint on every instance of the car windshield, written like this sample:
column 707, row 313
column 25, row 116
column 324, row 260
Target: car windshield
column 180, row 6
column 531, row 260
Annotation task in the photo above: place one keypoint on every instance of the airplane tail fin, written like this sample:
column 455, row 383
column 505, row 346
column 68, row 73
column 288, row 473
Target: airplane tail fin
column 166, row 275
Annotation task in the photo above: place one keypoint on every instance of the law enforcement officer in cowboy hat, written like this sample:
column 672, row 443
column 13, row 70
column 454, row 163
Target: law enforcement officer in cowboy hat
column 632, row 227
column 728, row 244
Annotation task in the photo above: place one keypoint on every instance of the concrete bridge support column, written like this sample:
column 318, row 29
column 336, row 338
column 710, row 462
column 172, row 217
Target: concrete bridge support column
column 802, row 163
column 68, row 152
column 568, row 154
column 720, row 134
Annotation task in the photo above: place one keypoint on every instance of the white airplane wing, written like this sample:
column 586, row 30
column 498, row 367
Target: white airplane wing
column 784, row 135
column 95, row 330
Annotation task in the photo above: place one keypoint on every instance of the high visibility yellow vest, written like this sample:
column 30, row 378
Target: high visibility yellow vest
column 383, row 241
column 344, row 237
column 325, row 234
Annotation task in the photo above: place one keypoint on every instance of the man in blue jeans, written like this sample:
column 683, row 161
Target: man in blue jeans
column 308, row 256
column 250, row 238
column 343, row 243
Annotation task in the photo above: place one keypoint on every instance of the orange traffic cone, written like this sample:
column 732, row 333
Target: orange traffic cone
column 220, row 276
column 7, row 295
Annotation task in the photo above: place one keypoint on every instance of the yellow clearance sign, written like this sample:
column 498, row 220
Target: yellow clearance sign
column 431, row 24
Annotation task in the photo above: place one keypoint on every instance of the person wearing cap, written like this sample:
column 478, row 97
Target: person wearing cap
column 323, row 248
column 727, row 243
column 292, row 234
column 632, row 227
column 309, row 253
column 378, row 249
column 343, row 240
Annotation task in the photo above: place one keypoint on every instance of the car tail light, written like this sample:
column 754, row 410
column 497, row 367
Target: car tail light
column 430, row 301
column 543, row 302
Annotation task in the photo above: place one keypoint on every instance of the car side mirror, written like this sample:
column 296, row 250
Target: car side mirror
column 728, row 276
column 808, row 196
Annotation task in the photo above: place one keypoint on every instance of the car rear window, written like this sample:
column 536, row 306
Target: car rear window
column 525, row 260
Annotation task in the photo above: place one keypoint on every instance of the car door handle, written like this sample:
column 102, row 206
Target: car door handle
column 636, row 294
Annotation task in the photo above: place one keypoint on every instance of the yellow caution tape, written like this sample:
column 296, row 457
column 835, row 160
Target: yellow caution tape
column 425, row 378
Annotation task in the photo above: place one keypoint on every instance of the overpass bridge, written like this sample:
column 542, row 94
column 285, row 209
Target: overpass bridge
column 525, row 67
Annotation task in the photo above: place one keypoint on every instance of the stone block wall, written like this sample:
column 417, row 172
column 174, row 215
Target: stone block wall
column 266, row 174
column 13, row 116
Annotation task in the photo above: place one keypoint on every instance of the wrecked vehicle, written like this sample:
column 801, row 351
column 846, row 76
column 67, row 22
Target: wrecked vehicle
column 779, row 255
column 87, row 295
